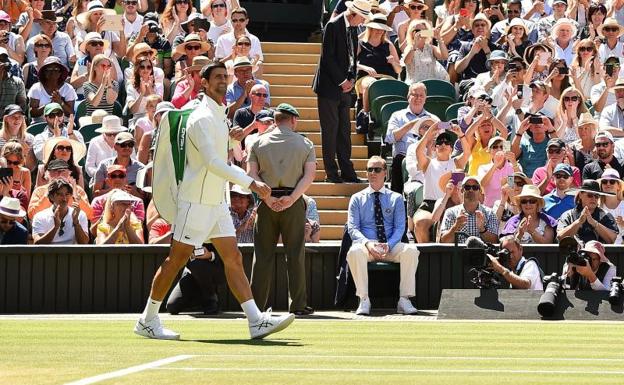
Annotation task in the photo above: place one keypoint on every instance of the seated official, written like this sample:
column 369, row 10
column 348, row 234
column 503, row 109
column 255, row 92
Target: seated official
column 587, row 220
column 11, row 231
column 520, row 273
column 376, row 224
column 594, row 276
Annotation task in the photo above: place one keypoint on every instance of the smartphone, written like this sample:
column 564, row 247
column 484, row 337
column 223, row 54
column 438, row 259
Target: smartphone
column 5, row 172
column 443, row 126
column 457, row 177
column 609, row 69
column 535, row 120
column 112, row 23
column 494, row 6
column 506, row 146
column 510, row 181
column 426, row 33
column 464, row 12
column 520, row 89
column 564, row 71
column 543, row 58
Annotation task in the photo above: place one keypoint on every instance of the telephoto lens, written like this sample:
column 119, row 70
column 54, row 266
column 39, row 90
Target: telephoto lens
column 615, row 294
column 548, row 300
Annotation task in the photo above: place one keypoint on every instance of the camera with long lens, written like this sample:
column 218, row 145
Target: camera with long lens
column 568, row 246
column 482, row 275
column 615, row 294
column 548, row 301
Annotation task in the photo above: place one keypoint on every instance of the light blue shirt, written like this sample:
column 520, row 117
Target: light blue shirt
column 235, row 90
column 361, row 220
column 61, row 46
column 397, row 120
column 555, row 206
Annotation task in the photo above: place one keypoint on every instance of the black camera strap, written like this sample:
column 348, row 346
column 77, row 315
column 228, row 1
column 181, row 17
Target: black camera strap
column 523, row 263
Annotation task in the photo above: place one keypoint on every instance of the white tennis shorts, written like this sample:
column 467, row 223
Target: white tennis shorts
column 197, row 223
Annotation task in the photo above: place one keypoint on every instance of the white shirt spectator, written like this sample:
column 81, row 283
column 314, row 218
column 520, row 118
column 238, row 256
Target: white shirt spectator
column 225, row 43
column 218, row 30
column 131, row 28
column 531, row 272
column 398, row 18
column 43, row 222
column 566, row 54
column 97, row 152
column 612, row 116
column 37, row 91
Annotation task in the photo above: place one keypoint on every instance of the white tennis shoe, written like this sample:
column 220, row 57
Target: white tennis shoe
column 267, row 324
column 154, row 329
column 404, row 306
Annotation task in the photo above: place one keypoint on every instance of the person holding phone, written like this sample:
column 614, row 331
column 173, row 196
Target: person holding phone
column 556, row 153
column 503, row 163
column 516, row 38
column 176, row 12
column 118, row 224
column 416, row 11
column 538, row 57
column 478, row 136
column 507, row 206
column 571, row 107
column 559, row 78
column 420, row 57
column 13, row 159
column 93, row 20
column 530, row 150
column 14, row 128
column 586, row 66
column 601, row 94
column 473, row 55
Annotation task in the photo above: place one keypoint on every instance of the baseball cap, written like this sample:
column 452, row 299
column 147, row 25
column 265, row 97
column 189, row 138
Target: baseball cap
column 563, row 167
column 539, row 84
column 58, row 164
column 604, row 135
column 121, row 196
column 115, row 167
column 5, row 17
column 555, row 142
column 264, row 115
column 124, row 137
column 495, row 139
column 51, row 107
column 12, row 109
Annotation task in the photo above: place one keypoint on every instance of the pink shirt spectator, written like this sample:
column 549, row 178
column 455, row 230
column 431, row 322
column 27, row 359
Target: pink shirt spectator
column 178, row 99
column 493, row 189
column 98, row 203
column 540, row 174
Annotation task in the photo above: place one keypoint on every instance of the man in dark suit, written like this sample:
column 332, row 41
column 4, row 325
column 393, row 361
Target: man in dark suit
column 333, row 83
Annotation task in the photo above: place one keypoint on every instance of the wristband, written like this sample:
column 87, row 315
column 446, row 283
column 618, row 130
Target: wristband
column 518, row 134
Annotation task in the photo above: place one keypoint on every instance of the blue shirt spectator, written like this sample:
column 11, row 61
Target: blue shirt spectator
column 361, row 221
column 555, row 206
column 533, row 155
column 11, row 231
column 397, row 120
column 235, row 90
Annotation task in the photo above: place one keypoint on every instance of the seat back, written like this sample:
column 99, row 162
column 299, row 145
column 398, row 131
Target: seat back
column 437, row 87
column 88, row 132
column 437, row 105
column 387, row 87
column 451, row 111
column 36, row 128
column 375, row 108
column 386, row 111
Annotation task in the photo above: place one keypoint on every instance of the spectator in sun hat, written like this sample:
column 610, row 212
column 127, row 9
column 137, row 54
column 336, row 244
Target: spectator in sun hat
column 497, row 62
column 118, row 224
column 12, row 42
column 473, row 54
column 189, row 87
column 611, row 31
column 102, row 146
column 556, row 153
column 531, row 225
column 90, row 19
column 124, row 149
column 611, row 182
column 238, row 91
column 67, row 149
column 604, row 147
column 558, row 200
column 62, row 46
column 563, row 33
column 596, row 275
column 587, row 220
column 545, row 24
column 192, row 47
column 612, row 117
column 12, row 232
column 51, row 88
column 502, row 164
column 151, row 34
column 92, row 45
column 197, row 24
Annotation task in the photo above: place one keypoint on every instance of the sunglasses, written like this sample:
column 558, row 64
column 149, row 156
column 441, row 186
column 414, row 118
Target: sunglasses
column 554, row 151
column 53, row 69
column 13, row 163
column 479, row 25
column 519, row 183
column 528, row 201
column 42, row 46
column 247, row 44
column 192, row 47
column 145, row 67
column 126, row 145
column 96, row 43
column 57, row 114
column 181, row 1
column 586, row 49
column 106, row 65
column 602, row 144
column 473, row 187
column 591, row 195
column 7, row 221
column 132, row 2
column 220, row 5
column 499, row 147
column 609, row 181
column 238, row 20
column 443, row 143
column 562, row 176
column 117, row 176
column 64, row 148
column 611, row 29
column 416, row 7
column 261, row 95
column 375, row 170
column 514, row 11
column 571, row 98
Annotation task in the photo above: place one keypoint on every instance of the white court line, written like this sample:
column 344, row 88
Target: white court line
column 385, row 370
column 431, row 358
column 131, row 370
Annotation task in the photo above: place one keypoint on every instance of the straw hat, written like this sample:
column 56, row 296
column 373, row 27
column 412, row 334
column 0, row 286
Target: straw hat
column 378, row 21
column 96, row 117
column 587, row 118
column 482, row 17
column 79, row 150
column 93, row 36
column 10, row 207
column 198, row 63
column 529, row 52
column 47, row 14
column 111, row 124
column 564, row 21
column 140, row 49
column 589, row 186
column 361, row 7
column 610, row 22
column 93, row 6
column 529, row 191
column 619, row 84
column 420, row 121
column 192, row 38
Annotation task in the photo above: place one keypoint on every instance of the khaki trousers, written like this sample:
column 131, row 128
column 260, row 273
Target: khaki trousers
column 404, row 253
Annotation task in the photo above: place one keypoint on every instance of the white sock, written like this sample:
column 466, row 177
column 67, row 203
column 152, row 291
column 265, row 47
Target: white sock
column 251, row 310
column 151, row 309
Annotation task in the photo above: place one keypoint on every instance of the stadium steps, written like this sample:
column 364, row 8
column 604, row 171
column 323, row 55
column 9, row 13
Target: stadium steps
column 289, row 68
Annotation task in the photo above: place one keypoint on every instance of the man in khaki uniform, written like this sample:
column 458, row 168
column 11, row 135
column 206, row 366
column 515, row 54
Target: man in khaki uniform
column 285, row 160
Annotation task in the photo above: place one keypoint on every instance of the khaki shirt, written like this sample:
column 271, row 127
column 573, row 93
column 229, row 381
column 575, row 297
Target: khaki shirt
column 281, row 155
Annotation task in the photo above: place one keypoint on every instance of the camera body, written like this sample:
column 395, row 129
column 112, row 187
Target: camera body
column 548, row 301
column 580, row 258
column 615, row 294
column 483, row 277
column 486, row 98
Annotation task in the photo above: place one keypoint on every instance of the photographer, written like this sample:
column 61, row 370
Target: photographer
column 597, row 272
column 520, row 272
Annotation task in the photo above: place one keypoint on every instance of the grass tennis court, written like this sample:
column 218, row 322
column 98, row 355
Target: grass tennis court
column 315, row 352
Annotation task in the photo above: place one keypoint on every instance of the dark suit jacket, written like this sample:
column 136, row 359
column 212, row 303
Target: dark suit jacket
column 335, row 60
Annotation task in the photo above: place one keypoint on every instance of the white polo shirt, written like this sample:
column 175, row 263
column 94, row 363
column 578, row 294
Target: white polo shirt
column 206, row 173
column 226, row 42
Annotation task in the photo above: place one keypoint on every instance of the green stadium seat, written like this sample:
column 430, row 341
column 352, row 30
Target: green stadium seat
column 375, row 108
column 436, row 87
column 437, row 105
column 386, row 87
column 386, row 111
column 36, row 128
column 88, row 132
column 451, row 111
